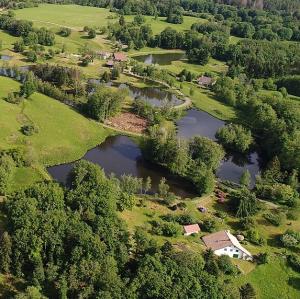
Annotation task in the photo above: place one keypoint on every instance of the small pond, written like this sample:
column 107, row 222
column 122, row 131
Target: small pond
column 155, row 96
column 161, row 59
column 120, row 155
column 197, row 122
column 6, row 57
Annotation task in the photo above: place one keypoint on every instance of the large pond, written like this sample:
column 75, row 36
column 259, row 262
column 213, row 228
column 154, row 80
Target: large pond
column 161, row 59
column 153, row 95
column 120, row 155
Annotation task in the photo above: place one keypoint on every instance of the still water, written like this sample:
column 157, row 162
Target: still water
column 161, row 59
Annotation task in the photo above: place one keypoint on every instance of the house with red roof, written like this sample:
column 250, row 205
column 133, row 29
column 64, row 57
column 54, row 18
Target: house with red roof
column 224, row 243
column 191, row 229
column 120, row 57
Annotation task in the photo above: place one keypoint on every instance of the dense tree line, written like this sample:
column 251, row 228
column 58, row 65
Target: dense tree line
column 25, row 29
column 70, row 243
column 273, row 120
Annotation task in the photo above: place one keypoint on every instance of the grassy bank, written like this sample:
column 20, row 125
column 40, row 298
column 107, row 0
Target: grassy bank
column 63, row 134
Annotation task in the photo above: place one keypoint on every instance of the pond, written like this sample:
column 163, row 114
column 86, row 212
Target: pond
column 6, row 57
column 161, row 59
column 155, row 96
column 197, row 122
column 120, row 155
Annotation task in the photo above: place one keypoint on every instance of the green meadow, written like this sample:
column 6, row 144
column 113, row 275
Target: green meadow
column 63, row 134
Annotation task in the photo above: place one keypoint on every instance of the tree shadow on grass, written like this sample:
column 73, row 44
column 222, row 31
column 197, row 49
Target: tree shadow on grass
column 294, row 282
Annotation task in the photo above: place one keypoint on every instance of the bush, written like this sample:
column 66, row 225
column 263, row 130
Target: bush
column 274, row 218
column 247, row 223
column 29, row 130
column 167, row 229
column 226, row 266
column 209, row 225
column 294, row 261
column 65, row 32
column 292, row 215
column 290, row 239
column 262, row 258
column 14, row 98
column 254, row 237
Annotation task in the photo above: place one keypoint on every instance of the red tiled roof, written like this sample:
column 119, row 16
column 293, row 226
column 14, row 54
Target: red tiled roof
column 217, row 240
column 191, row 229
column 205, row 80
column 120, row 56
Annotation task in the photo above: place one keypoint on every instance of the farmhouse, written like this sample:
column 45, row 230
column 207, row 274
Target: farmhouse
column 224, row 243
column 191, row 229
column 205, row 81
column 120, row 57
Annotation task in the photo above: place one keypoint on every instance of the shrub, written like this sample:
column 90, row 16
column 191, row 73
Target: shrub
column 254, row 237
column 29, row 130
column 274, row 218
column 262, row 258
column 294, row 261
column 292, row 215
column 226, row 266
column 13, row 98
column 290, row 239
column 209, row 225
column 65, row 32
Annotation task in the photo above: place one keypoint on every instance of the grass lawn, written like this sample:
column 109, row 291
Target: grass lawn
column 214, row 66
column 273, row 280
column 73, row 16
column 64, row 135
column 159, row 24
column 204, row 99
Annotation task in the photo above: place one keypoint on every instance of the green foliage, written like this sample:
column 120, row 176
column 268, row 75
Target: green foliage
column 294, row 261
column 65, row 32
column 275, row 218
column 29, row 130
column 209, row 225
column 5, row 252
column 163, row 188
column 104, row 103
column 226, row 266
column 290, row 239
column 245, row 179
column 247, row 204
column 262, row 258
column 254, row 237
column 235, row 137
column 247, row 291
column 7, row 165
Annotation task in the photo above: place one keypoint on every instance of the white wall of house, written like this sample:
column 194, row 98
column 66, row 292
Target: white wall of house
column 232, row 251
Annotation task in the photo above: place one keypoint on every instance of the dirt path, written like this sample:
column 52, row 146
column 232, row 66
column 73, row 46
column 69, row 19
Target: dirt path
column 56, row 24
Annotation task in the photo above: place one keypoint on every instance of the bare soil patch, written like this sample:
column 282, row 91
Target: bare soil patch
column 128, row 121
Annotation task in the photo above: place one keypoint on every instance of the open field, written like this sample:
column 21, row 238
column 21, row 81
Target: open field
column 73, row 16
column 160, row 23
column 204, row 99
column 64, row 135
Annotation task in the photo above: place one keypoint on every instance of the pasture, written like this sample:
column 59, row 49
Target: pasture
column 63, row 134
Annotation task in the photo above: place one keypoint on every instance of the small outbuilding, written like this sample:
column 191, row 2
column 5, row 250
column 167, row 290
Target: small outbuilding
column 205, row 81
column 224, row 243
column 191, row 229
column 120, row 57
